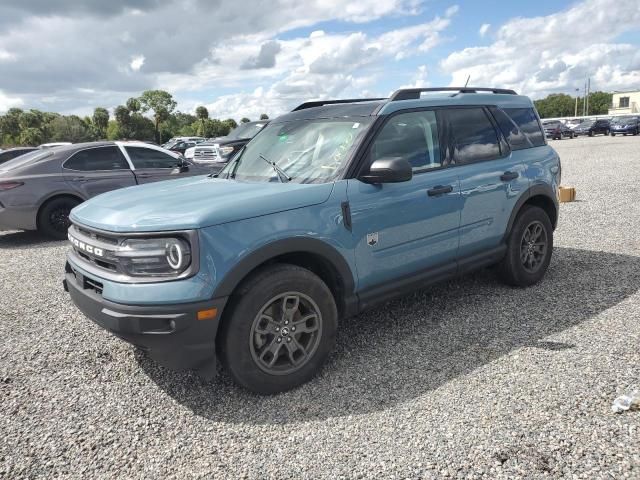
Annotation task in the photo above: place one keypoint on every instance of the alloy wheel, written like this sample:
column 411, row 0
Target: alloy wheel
column 533, row 246
column 286, row 333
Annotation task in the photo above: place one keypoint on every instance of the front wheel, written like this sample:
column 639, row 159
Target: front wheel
column 282, row 327
column 529, row 248
column 53, row 218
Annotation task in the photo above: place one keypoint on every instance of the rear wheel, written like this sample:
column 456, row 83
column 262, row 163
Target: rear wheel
column 53, row 218
column 282, row 327
column 529, row 248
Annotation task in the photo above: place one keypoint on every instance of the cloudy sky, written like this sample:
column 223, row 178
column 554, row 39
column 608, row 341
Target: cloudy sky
column 244, row 57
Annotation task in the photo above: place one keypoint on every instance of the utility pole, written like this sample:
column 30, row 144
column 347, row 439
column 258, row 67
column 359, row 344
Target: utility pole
column 575, row 114
column 584, row 100
column 588, row 91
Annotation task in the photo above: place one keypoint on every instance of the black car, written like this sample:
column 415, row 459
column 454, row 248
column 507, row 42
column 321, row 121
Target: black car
column 593, row 127
column 625, row 125
column 219, row 151
column 555, row 129
column 12, row 153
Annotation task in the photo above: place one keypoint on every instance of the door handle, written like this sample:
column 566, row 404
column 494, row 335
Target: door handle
column 439, row 190
column 508, row 176
column 79, row 179
column 143, row 175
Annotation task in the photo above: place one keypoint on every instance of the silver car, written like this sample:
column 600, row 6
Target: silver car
column 39, row 189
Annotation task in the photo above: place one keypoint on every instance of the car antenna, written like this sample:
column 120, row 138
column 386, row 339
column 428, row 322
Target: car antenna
column 467, row 82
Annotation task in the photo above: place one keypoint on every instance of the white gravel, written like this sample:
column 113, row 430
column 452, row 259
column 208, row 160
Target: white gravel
column 470, row 379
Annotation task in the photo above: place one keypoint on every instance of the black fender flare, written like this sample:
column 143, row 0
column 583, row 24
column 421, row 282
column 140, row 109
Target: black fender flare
column 533, row 191
column 292, row 245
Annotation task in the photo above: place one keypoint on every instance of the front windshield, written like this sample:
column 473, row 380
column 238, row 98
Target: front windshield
column 310, row 151
column 246, row 130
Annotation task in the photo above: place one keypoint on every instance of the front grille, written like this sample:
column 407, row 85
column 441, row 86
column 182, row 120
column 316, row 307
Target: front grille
column 97, row 236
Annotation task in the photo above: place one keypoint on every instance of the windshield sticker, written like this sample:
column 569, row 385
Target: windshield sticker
column 355, row 125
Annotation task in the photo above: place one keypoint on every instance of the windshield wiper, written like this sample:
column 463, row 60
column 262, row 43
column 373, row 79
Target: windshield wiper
column 279, row 171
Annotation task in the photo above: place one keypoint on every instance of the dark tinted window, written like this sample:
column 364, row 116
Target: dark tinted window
column 527, row 121
column 472, row 136
column 412, row 136
column 100, row 158
column 149, row 158
column 11, row 154
column 517, row 140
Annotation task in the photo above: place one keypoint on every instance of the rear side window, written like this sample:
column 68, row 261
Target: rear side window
column 96, row 159
column 412, row 136
column 527, row 122
column 471, row 135
column 517, row 140
column 142, row 157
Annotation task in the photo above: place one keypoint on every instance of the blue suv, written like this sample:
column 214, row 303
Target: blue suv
column 329, row 210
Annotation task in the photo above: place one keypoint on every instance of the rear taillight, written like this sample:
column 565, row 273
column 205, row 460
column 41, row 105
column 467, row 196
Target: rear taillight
column 9, row 185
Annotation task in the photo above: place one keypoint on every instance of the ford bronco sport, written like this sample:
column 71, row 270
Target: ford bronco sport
column 330, row 209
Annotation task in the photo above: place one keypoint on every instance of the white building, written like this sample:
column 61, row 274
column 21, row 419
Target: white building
column 625, row 103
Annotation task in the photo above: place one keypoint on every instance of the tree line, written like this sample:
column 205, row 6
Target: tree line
column 562, row 105
column 150, row 117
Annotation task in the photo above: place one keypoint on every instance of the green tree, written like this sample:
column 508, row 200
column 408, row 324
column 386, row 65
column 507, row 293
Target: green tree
column 231, row 122
column 10, row 126
column 71, row 129
column 141, row 128
column 161, row 103
column 133, row 105
column 599, row 103
column 203, row 114
column 113, row 131
column 123, row 119
column 555, row 105
column 244, row 120
column 100, row 121
column 264, row 116
column 31, row 136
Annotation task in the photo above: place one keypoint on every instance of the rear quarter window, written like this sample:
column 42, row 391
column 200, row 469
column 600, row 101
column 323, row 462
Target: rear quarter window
column 527, row 121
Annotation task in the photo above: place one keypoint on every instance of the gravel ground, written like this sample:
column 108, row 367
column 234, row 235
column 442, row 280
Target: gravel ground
column 468, row 379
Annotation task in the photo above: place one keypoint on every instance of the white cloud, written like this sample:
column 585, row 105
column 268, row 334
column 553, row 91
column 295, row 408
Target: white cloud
column 7, row 102
column 419, row 78
column 136, row 62
column 555, row 53
column 484, row 28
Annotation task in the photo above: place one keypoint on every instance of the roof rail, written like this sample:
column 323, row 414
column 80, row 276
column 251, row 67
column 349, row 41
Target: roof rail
column 319, row 103
column 414, row 93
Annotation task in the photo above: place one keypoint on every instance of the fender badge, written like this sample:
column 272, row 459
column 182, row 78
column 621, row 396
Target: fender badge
column 372, row 239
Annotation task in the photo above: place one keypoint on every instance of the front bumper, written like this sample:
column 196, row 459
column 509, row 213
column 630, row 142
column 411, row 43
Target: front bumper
column 172, row 335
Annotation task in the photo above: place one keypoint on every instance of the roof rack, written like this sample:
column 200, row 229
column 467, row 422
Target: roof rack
column 414, row 93
column 320, row 103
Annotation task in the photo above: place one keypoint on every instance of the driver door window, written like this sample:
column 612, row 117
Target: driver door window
column 412, row 136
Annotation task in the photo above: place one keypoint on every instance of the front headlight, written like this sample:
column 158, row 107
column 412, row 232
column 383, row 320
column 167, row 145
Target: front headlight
column 161, row 257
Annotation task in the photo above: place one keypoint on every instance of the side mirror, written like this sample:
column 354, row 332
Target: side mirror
column 388, row 170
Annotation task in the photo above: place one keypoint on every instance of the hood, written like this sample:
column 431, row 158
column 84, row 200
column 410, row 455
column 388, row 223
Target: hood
column 193, row 202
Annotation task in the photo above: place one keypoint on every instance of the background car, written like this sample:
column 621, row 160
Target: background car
column 39, row 189
column 593, row 127
column 625, row 125
column 11, row 153
column 555, row 129
column 219, row 151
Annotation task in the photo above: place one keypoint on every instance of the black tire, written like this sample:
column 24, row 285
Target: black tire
column 613, row 134
column 53, row 217
column 513, row 269
column 591, row 134
column 247, row 338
